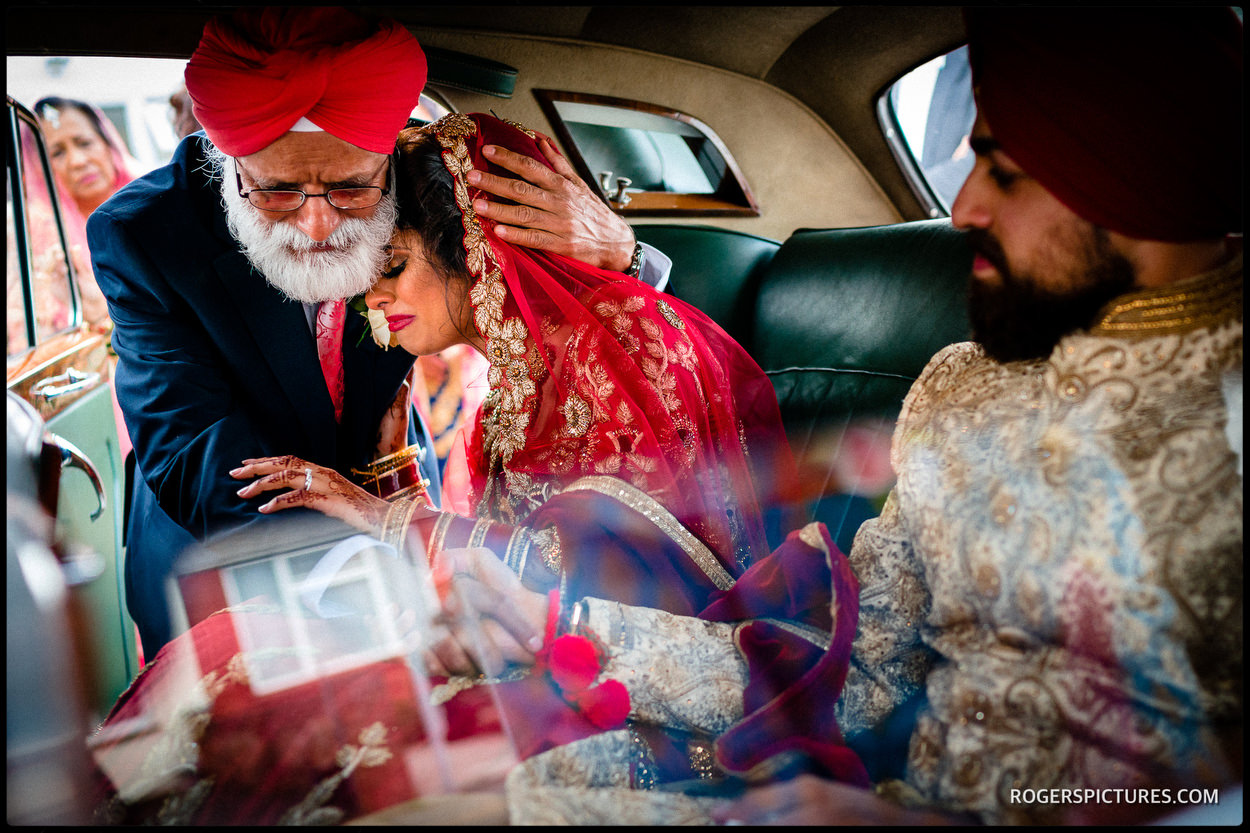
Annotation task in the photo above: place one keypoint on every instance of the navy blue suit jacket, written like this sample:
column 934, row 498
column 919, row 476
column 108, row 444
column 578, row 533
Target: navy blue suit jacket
column 215, row 366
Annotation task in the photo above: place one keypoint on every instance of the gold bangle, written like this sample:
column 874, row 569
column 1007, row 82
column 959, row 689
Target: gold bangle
column 416, row 490
column 392, row 461
column 435, row 545
column 394, row 476
column 398, row 519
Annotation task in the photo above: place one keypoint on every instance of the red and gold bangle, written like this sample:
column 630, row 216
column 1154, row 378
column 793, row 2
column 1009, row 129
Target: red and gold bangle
column 395, row 475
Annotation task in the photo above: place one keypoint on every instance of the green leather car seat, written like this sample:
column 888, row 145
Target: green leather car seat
column 716, row 270
column 845, row 319
column 844, row 322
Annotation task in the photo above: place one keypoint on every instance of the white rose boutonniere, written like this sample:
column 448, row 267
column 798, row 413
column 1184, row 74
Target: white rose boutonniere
column 382, row 335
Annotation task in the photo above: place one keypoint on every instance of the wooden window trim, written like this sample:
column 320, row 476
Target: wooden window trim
column 738, row 202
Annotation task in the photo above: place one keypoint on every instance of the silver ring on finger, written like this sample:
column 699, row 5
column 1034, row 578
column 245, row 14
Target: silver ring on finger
column 307, row 479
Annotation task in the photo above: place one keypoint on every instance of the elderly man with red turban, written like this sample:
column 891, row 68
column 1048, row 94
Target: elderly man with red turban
column 1056, row 577
column 227, row 271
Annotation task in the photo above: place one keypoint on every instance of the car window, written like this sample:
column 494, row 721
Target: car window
column 927, row 115
column 431, row 107
column 647, row 159
column 45, row 302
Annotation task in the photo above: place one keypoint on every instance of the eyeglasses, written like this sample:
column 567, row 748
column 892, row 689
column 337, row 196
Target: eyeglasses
column 347, row 199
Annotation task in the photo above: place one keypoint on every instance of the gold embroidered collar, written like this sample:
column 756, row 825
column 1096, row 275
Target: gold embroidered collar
column 1201, row 302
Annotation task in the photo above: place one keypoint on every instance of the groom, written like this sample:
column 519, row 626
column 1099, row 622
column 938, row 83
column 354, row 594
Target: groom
column 226, row 272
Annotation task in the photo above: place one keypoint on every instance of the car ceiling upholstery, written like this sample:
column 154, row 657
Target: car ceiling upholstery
column 835, row 59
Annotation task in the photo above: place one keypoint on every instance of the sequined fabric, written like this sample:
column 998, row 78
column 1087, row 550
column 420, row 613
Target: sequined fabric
column 681, row 672
column 1060, row 563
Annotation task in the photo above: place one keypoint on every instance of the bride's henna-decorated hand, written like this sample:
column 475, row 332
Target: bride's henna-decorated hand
column 325, row 490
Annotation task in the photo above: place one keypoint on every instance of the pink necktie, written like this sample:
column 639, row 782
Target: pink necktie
column 331, row 316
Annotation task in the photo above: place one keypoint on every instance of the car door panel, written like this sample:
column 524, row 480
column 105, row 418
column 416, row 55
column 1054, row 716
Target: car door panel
column 66, row 377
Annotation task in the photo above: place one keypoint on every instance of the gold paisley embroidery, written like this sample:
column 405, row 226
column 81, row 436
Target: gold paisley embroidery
column 512, row 385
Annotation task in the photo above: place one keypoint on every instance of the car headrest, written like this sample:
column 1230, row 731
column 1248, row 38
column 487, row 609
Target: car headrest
column 856, row 313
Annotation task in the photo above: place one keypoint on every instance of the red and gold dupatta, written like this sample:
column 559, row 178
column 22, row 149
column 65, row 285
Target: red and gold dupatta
column 595, row 374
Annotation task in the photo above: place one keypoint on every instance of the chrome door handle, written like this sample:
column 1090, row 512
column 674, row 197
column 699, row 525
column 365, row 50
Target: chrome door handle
column 71, row 457
column 618, row 196
column 71, row 381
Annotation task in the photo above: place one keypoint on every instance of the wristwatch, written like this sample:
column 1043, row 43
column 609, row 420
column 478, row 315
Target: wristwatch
column 635, row 263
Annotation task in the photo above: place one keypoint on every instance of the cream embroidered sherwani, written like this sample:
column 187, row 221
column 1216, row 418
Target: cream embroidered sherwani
column 1059, row 566
column 1060, row 562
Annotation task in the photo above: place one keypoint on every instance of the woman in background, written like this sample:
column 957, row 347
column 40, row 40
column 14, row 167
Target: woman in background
column 91, row 162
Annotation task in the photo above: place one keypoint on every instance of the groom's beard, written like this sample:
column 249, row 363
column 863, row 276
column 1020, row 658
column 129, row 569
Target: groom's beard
column 297, row 266
column 1018, row 319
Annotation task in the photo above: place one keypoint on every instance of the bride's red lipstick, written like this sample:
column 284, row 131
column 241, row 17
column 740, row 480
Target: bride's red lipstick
column 398, row 322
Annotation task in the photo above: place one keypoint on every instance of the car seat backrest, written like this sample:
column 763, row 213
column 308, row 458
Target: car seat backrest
column 842, row 321
column 845, row 319
column 716, row 270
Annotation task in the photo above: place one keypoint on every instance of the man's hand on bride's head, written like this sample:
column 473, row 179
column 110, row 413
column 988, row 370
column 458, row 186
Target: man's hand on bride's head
column 313, row 487
column 556, row 210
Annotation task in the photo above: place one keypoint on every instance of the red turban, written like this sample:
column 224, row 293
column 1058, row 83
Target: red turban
column 257, row 73
column 1132, row 117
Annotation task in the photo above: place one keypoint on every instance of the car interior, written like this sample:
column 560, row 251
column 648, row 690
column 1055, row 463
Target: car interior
column 818, row 245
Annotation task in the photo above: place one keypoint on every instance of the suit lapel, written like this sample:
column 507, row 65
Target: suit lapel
column 286, row 344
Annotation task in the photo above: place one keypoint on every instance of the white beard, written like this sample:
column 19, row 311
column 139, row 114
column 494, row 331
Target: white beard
column 290, row 260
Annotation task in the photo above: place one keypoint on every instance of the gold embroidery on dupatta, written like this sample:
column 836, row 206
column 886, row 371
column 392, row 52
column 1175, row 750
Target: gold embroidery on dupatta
column 655, row 360
column 618, row 318
column 576, row 415
column 506, row 411
column 516, row 371
column 670, row 315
